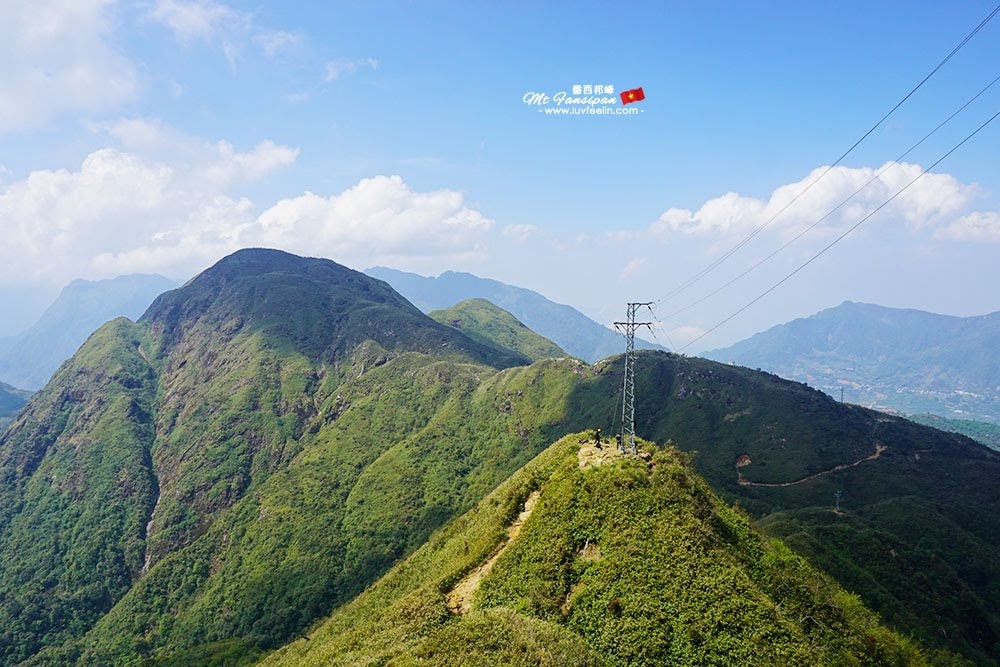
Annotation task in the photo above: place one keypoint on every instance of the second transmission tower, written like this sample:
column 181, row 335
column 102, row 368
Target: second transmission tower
column 628, row 327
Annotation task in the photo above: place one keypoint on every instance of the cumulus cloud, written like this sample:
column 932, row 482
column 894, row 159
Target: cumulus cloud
column 166, row 202
column 932, row 200
column 378, row 217
column 57, row 56
column 341, row 66
column 125, row 210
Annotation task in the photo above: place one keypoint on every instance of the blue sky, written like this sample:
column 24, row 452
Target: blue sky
column 159, row 136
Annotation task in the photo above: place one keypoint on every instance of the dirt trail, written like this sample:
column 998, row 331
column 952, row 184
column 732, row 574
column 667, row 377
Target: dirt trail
column 871, row 457
column 459, row 599
column 590, row 454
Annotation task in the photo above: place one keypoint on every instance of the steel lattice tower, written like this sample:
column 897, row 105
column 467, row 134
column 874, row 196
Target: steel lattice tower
column 628, row 388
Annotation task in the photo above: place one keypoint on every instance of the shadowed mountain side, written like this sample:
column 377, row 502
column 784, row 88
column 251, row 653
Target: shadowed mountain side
column 317, row 307
column 12, row 399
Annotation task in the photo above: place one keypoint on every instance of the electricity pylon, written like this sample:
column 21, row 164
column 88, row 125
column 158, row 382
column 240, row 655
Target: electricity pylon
column 628, row 327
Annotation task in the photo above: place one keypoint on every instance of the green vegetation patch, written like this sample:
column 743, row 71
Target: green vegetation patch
column 486, row 323
column 630, row 563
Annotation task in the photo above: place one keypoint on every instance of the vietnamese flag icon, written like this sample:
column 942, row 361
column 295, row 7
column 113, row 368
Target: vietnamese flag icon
column 634, row 95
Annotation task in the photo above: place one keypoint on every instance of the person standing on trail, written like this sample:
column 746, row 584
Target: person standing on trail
column 597, row 436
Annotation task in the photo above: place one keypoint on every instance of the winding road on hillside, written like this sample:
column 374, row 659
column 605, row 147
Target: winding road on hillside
column 743, row 481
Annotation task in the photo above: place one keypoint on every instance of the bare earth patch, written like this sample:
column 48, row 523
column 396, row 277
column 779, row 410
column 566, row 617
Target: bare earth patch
column 459, row 599
column 592, row 455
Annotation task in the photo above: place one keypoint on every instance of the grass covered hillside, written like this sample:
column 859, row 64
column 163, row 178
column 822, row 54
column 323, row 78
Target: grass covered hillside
column 587, row 558
column 482, row 321
column 118, row 471
column 268, row 440
column 11, row 400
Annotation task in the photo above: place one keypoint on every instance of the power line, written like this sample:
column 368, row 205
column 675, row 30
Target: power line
column 671, row 347
column 838, row 206
column 701, row 274
column 848, row 231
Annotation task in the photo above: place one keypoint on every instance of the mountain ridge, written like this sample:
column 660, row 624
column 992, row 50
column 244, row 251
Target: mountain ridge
column 567, row 327
column 482, row 320
column 568, row 582
column 251, row 457
column 30, row 358
column 906, row 360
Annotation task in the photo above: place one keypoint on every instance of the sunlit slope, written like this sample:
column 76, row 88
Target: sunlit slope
column 484, row 322
column 619, row 561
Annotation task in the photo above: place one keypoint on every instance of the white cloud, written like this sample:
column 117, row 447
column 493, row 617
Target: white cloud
column 134, row 207
column 520, row 232
column 932, row 200
column 341, row 66
column 632, row 266
column 215, row 22
column 199, row 20
column 379, row 217
column 277, row 42
column 57, row 56
column 683, row 335
column 980, row 226
column 167, row 202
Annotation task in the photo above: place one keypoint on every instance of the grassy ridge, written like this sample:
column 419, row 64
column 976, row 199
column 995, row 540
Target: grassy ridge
column 289, row 429
column 680, row 578
column 486, row 323
column 389, row 458
column 76, row 486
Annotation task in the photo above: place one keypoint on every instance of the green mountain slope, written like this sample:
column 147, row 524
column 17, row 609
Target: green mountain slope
column 12, row 399
column 585, row 558
column 573, row 331
column 30, row 358
column 153, row 431
column 76, row 486
column 481, row 321
column 908, row 361
column 269, row 439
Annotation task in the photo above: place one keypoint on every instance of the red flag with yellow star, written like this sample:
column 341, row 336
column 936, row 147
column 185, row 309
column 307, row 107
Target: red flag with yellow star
column 634, row 95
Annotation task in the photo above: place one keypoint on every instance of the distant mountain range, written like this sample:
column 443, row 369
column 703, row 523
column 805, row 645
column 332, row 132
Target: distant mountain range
column 29, row 359
column 907, row 361
column 567, row 327
column 203, row 485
